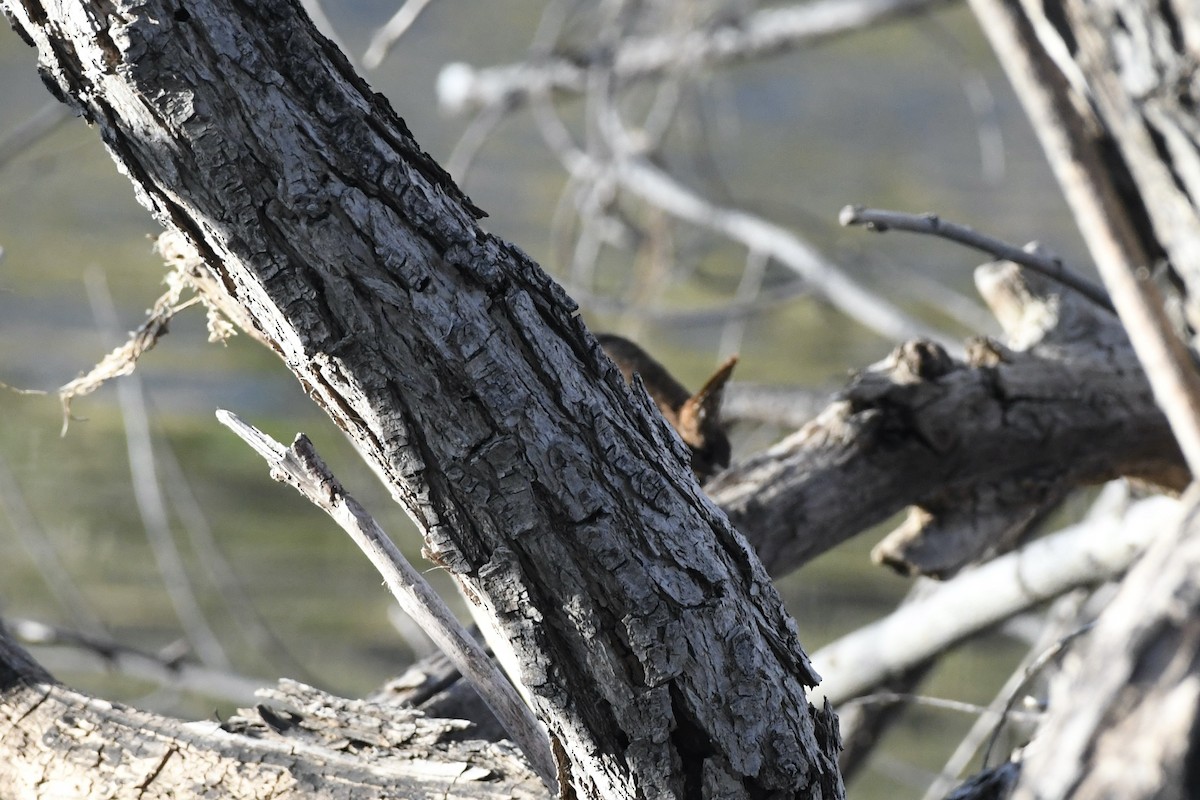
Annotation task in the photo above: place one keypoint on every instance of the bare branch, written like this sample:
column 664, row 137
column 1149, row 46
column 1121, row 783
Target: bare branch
column 1082, row 554
column 1121, row 713
column 857, row 302
column 143, row 473
column 880, row 220
column 103, row 654
column 385, row 38
column 229, row 587
column 301, row 467
column 32, row 130
column 989, row 723
column 44, row 555
column 764, row 33
column 898, row 434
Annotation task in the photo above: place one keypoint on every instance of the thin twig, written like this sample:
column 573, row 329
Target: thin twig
column 230, row 588
column 748, row 290
column 472, row 140
column 647, row 181
column 385, row 38
column 44, row 554
column 32, row 130
column 979, row 96
column 114, row 656
column 147, row 492
column 921, row 700
column 301, row 467
column 1035, row 667
column 856, row 301
column 880, row 220
column 764, row 33
column 994, row 716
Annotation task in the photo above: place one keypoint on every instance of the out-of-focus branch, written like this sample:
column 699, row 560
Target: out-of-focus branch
column 1063, row 611
column 1122, row 712
column 767, row 32
column 229, row 587
column 628, row 168
column 44, row 555
column 32, row 129
column 103, row 654
column 856, row 301
column 147, row 490
column 1083, row 554
column 386, row 36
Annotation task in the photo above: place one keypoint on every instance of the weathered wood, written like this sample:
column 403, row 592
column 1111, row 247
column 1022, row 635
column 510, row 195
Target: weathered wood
column 303, row 468
column 1123, row 713
column 298, row 742
column 646, row 631
column 1085, row 554
column 1139, row 63
column 982, row 448
column 1091, row 154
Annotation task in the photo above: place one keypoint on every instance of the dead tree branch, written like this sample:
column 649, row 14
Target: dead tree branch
column 764, row 33
column 296, row 741
column 1148, row 643
column 462, row 374
column 1084, row 554
column 1090, row 181
column 302, row 468
column 980, row 448
column 882, row 220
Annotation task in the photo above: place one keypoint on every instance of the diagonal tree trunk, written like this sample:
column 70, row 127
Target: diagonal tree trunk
column 656, row 650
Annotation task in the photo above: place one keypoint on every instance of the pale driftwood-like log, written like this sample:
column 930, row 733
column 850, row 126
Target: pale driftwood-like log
column 766, row 32
column 981, row 448
column 302, row 468
column 1085, row 554
column 297, row 742
column 1123, row 713
column 647, row 633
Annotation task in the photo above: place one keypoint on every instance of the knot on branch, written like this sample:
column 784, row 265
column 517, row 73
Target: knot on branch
column 920, row 360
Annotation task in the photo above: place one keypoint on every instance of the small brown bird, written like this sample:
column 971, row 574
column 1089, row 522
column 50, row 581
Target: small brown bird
column 697, row 417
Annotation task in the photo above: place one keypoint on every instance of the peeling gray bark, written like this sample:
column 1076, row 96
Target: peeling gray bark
column 655, row 647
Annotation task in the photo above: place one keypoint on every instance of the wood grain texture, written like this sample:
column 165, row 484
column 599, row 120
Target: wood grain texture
column 646, row 630
column 979, row 447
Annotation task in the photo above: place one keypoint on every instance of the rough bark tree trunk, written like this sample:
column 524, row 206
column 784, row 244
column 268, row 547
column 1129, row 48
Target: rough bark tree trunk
column 656, row 649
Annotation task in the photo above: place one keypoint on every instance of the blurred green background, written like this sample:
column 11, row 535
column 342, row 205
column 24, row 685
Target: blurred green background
column 878, row 118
